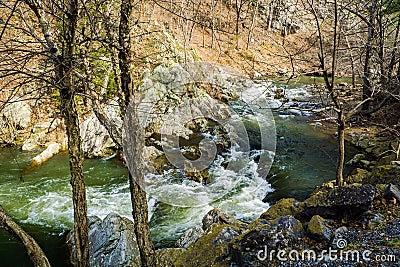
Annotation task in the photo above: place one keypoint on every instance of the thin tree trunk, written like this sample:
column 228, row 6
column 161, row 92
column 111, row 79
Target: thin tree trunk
column 367, row 71
column 341, row 146
column 36, row 254
column 253, row 22
column 77, row 179
column 63, row 68
column 138, row 195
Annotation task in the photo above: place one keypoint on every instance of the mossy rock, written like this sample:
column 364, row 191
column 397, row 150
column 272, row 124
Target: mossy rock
column 211, row 249
column 358, row 176
column 167, row 257
column 317, row 229
column 337, row 203
column 316, row 225
column 385, row 174
column 285, row 206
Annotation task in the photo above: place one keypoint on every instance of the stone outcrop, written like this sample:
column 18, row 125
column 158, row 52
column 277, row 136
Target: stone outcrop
column 284, row 206
column 111, row 242
column 43, row 133
column 336, row 203
column 19, row 114
column 280, row 234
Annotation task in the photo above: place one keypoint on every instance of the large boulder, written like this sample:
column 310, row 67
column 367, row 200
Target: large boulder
column 96, row 141
column 111, row 242
column 280, row 234
column 385, row 174
column 211, row 249
column 285, row 206
column 339, row 202
column 18, row 114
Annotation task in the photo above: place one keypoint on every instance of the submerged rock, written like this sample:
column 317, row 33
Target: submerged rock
column 112, row 242
column 342, row 202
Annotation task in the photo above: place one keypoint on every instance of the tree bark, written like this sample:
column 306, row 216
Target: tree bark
column 35, row 253
column 138, row 195
column 366, row 90
column 63, row 62
column 341, row 146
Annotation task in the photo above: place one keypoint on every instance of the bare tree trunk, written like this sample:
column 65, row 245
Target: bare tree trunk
column 253, row 21
column 63, row 68
column 138, row 195
column 212, row 24
column 77, row 179
column 341, row 146
column 35, row 253
column 368, row 50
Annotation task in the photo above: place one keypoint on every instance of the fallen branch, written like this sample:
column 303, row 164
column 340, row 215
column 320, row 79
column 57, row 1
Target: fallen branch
column 35, row 253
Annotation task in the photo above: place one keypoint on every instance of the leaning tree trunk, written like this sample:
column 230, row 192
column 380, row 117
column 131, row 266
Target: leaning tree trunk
column 35, row 253
column 138, row 195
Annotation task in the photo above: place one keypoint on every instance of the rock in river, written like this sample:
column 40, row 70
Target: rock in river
column 112, row 241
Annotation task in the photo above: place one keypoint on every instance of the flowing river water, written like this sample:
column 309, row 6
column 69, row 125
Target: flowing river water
column 40, row 199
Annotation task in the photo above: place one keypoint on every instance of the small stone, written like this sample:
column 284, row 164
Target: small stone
column 220, row 217
column 317, row 229
column 392, row 191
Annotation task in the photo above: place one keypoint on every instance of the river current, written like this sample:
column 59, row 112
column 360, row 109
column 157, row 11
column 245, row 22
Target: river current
column 40, row 199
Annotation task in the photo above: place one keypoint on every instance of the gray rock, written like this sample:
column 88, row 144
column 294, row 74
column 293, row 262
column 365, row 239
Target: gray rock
column 282, row 233
column 392, row 191
column 40, row 135
column 189, row 237
column 95, row 137
column 220, row 217
column 18, row 114
column 111, row 242
column 341, row 202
